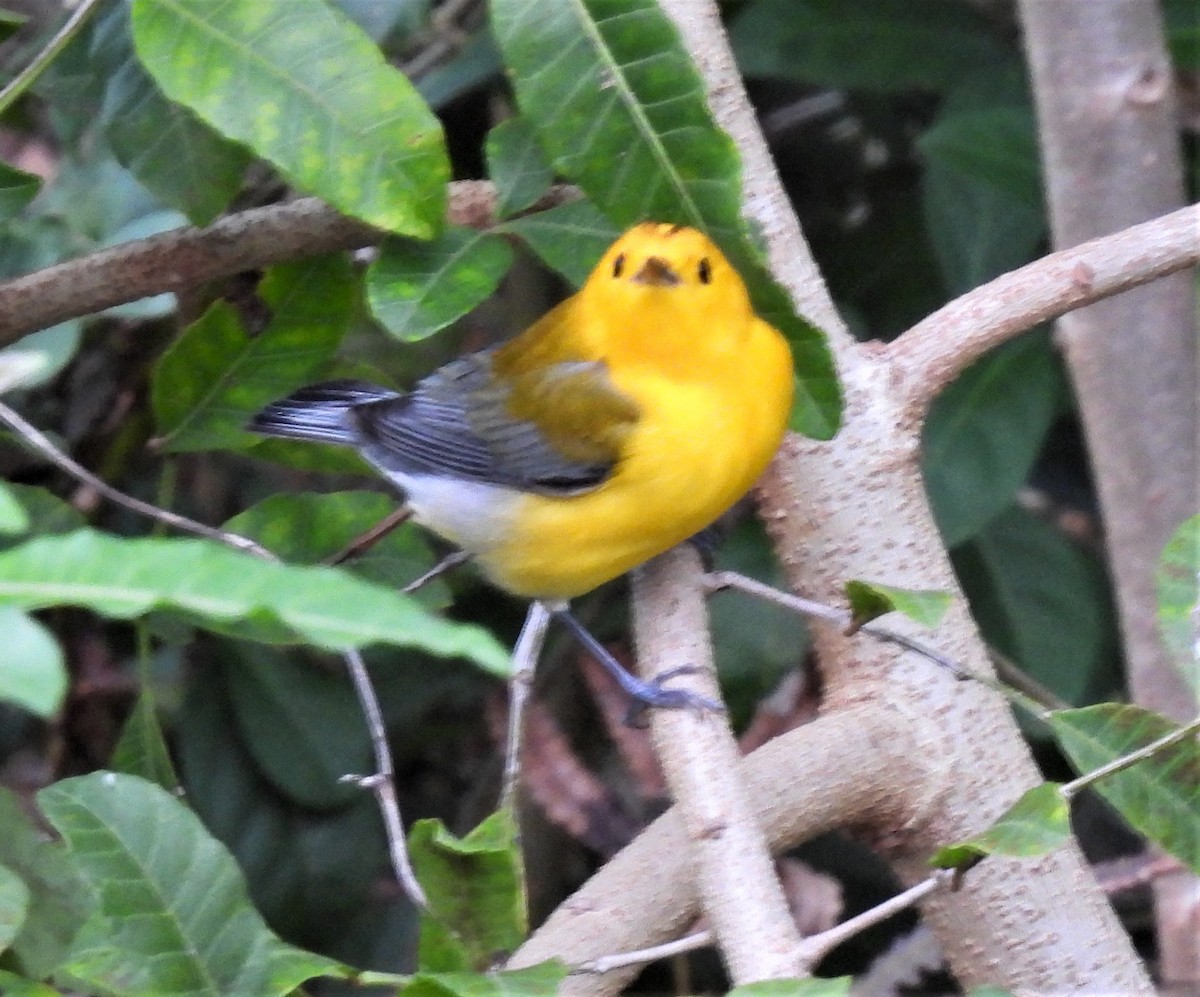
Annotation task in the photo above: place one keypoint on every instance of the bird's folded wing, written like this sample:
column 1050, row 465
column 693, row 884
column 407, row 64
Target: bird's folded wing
column 556, row 431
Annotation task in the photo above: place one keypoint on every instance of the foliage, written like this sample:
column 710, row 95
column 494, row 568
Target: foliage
column 180, row 665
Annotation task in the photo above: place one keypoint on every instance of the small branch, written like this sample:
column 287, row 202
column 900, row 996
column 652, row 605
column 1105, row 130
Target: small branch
column 525, row 656
column 394, row 519
column 735, row 877
column 1071, row 788
column 937, row 349
column 24, row 79
column 187, row 257
column 452, row 560
column 816, row 947
column 44, row 446
column 607, row 963
column 383, row 782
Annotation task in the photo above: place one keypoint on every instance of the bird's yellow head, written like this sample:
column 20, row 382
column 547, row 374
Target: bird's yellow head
column 660, row 277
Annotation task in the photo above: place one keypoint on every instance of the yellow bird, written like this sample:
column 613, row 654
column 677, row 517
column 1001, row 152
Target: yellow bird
column 624, row 421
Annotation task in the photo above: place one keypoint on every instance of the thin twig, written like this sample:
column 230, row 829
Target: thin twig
column 607, row 963
column 525, row 656
column 452, row 560
column 383, row 782
column 36, row 439
column 1071, row 788
column 365, row 541
column 816, row 947
column 813, row 949
column 22, row 81
column 448, row 37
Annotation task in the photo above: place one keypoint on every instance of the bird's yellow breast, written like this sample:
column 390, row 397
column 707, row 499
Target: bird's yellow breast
column 710, row 421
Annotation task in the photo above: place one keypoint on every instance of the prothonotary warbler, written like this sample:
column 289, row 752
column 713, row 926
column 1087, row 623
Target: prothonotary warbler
column 624, row 421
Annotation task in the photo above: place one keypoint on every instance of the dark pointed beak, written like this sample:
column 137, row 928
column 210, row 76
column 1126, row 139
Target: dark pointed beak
column 656, row 272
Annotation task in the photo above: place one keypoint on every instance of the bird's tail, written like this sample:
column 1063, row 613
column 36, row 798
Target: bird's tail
column 319, row 413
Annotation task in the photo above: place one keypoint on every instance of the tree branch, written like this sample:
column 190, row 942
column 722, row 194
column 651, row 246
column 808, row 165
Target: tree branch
column 188, row 257
column 937, row 349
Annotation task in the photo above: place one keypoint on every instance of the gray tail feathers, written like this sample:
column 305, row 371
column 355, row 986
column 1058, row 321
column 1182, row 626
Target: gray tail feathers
column 319, row 413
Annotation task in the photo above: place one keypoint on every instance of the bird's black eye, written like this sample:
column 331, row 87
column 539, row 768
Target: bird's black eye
column 618, row 265
column 705, row 271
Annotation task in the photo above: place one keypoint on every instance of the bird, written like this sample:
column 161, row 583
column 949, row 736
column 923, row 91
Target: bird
column 623, row 422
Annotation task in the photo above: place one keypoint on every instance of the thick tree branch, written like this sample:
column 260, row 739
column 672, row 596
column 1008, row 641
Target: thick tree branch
column 1108, row 132
column 646, row 894
column 937, row 349
column 734, row 876
column 188, row 257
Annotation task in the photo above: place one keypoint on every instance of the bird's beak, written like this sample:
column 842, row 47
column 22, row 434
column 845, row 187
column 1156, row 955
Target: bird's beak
column 656, row 272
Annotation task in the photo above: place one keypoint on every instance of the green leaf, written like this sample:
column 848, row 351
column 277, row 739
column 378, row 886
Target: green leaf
column 1159, row 796
column 19, row 986
column 1178, row 582
column 476, row 63
column 308, row 870
column 46, row 511
column 59, row 899
column 17, row 189
column 1183, row 33
column 230, row 592
column 883, row 45
column 621, row 111
column 14, row 906
column 870, row 600
column 516, row 165
column 175, row 914
column 182, row 160
column 300, row 721
column 838, row 986
column 32, row 672
column 305, row 88
column 142, row 749
column 992, row 145
column 417, row 288
column 308, row 528
column 542, row 980
column 1038, row 823
column 216, row 375
column 1043, row 602
column 476, row 892
column 985, row 431
column 14, row 520
column 569, row 238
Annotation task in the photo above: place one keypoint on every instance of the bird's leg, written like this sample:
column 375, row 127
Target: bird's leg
column 644, row 694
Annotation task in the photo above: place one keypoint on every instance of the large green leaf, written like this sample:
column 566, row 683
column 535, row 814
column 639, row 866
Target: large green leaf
column 59, row 899
column 569, row 237
column 621, row 111
column 300, row 721
column 175, row 916
column 1160, row 795
column 32, row 672
column 217, row 375
column 1179, row 599
column 305, row 88
column 182, row 160
column 516, row 165
column 985, row 431
column 14, row 906
column 417, row 288
column 884, row 45
column 142, row 748
column 1043, row 602
column 476, row 893
column 230, row 592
